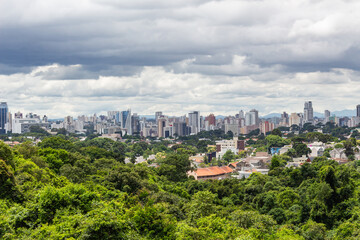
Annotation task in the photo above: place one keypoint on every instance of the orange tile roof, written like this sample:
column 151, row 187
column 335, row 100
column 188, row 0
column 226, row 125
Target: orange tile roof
column 213, row 171
column 234, row 164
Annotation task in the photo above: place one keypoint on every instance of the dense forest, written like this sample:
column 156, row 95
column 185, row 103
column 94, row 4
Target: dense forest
column 63, row 188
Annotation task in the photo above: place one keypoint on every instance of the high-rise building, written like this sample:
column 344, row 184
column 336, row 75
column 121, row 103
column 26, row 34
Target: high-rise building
column 211, row 119
column 295, row 119
column 135, row 123
column 254, row 117
column 284, row 119
column 194, row 122
column 4, row 117
column 161, row 125
column 308, row 112
column 157, row 115
column 241, row 114
column 358, row 110
column 327, row 113
column 114, row 115
column 326, row 116
column 126, row 121
column 247, row 119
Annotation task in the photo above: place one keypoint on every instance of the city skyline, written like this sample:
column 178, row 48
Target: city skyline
column 316, row 112
column 244, row 113
column 179, row 56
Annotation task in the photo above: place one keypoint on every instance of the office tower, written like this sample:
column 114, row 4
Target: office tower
column 241, row 114
column 358, row 110
column 327, row 114
column 308, row 112
column 126, row 121
column 161, row 125
column 284, row 119
column 247, row 119
column 114, row 115
column 135, row 123
column 157, row 115
column 254, row 117
column 194, row 122
column 295, row 119
column 3, row 117
column 211, row 119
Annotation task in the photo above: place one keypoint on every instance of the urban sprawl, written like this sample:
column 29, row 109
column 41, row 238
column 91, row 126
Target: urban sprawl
column 120, row 123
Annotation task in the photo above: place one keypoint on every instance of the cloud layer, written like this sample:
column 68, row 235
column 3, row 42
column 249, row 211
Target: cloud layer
column 66, row 57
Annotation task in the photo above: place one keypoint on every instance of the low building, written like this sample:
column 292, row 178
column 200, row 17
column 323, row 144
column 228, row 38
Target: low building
column 297, row 162
column 197, row 159
column 234, row 145
column 211, row 173
column 317, row 149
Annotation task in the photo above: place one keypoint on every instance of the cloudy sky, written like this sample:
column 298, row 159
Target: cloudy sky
column 62, row 57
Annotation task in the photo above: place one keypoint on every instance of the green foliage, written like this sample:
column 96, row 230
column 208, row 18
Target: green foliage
column 228, row 156
column 175, row 167
column 275, row 141
column 67, row 189
column 277, row 132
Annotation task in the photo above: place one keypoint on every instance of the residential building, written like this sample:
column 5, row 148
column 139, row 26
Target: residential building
column 211, row 173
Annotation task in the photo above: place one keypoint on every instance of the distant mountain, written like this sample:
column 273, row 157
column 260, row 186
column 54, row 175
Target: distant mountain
column 341, row 113
column 271, row 115
column 147, row 116
column 344, row 113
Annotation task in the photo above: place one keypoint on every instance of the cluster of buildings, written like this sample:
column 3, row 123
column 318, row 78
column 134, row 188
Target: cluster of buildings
column 307, row 116
column 119, row 123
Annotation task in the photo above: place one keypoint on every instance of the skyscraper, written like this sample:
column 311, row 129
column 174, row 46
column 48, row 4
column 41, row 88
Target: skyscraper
column 254, row 117
column 157, row 115
column 247, row 119
column 126, row 121
column 241, row 114
column 358, row 110
column 135, row 124
column 194, row 121
column 3, row 117
column 327, row 113
column 326, row 116
column 308, row 112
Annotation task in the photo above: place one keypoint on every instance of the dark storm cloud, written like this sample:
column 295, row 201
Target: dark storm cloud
column 149, row 33
column 192, row 54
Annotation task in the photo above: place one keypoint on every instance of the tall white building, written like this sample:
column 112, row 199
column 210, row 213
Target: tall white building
column 157, row 115
column 308, row 112
column 194, row 122
column 326, row 116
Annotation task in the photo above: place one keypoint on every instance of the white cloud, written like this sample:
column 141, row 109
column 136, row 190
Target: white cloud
column 155, row 88
column 178, row 56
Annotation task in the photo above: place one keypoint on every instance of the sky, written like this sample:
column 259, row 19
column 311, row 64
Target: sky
column 62, row 57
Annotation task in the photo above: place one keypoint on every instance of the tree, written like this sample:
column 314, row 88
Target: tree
column 202, row 205
column 38, row 129
column 301, row 149
column 6, row 154
column 7, row 181
column 348, row 145
column 277, row 132
column 175, row 167
column 228, row 156
column 56, row 142
column 275, row 141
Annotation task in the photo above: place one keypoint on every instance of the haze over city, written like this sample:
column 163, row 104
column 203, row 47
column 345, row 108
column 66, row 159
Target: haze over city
column 63, row 58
